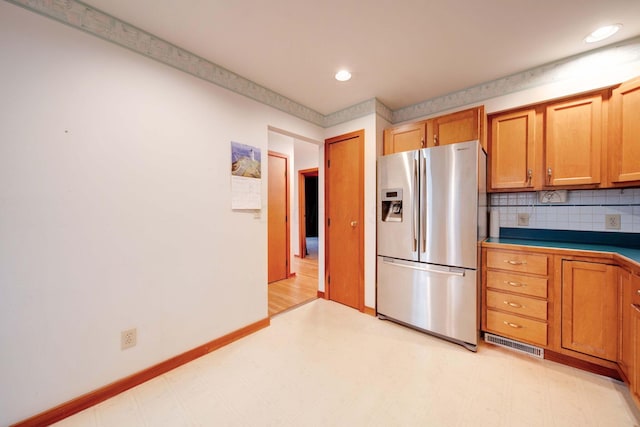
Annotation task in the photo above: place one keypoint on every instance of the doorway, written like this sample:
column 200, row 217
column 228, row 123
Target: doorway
column 301, row 285
column 344, row 232
column 308, row 212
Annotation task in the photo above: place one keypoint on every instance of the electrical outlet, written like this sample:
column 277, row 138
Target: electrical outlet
column 612, row 221
column 128, row 338
column 523, row 219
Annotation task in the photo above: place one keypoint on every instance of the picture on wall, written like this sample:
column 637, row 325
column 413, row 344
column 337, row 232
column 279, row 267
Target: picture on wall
column 246, row 174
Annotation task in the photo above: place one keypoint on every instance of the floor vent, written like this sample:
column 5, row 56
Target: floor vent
column 515, row 345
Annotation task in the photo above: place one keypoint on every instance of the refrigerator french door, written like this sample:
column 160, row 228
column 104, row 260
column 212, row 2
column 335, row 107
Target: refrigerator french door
column 431, row 215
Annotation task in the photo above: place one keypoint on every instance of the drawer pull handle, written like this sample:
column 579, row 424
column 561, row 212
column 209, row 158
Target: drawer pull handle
column 512, row 325
column 514, row 262
column 513, row 304
column 515, row 284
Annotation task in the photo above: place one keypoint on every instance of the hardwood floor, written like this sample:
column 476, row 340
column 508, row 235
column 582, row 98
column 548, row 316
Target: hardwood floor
column 303, row 287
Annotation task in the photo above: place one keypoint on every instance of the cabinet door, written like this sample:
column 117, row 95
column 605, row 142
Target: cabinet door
column 590, row 309
column 511, row 150
column 625, row 350
column 573, row 142
column 456, row 127
column 404, row 138
column 635, row 378
column 624, row 141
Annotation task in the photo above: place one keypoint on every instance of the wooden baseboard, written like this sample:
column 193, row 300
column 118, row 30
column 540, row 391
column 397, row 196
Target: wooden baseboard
column 321, row 294
column 93, row 398
column 582, row 364
column 370, row 311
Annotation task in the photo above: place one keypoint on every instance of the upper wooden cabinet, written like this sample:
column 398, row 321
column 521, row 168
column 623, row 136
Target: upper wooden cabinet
column 624, row 134
column 466, row 125
column 461, row 126
column 512, row 150
column 404, row 138
column 573, row 141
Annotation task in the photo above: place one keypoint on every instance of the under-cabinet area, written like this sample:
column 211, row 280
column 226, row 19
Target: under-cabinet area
column 582, row 307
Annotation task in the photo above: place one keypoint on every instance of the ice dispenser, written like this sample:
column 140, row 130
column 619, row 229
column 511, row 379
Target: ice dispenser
column 392, row 205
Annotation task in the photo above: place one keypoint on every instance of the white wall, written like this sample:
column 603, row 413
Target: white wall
column 115, row 212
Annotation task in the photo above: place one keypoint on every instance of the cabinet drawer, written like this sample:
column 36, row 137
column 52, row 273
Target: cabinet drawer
column 516, row 304
column 520, row 262
column 517, row 327
column 526, row 285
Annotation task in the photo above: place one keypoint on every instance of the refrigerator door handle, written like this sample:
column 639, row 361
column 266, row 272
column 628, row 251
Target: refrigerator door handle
column 443, row 270
column 416, row 208
column 423, row 209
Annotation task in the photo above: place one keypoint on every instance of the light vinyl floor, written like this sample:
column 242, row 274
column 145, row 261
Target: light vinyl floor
column 323, row 364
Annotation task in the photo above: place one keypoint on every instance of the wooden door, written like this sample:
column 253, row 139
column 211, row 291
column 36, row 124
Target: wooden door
column 590, row 309
column 512, row 150
column 624, row 142
column 573, row 142
column 456, row 127
column 278, row 229
column 404, row 138
column 344, row 204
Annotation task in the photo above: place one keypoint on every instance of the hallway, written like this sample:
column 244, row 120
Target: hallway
column 299, row 289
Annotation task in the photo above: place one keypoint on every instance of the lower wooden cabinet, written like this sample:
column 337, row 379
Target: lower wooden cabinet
column 582, row 308
column 590, row 309
column 626, row 337
column 515, row 290
column 635, row 370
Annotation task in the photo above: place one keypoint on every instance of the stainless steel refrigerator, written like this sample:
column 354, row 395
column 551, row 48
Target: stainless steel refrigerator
column 432, row 214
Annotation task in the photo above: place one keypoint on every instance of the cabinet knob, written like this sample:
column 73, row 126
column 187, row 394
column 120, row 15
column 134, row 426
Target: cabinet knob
column 529, row 176
column 435, row 140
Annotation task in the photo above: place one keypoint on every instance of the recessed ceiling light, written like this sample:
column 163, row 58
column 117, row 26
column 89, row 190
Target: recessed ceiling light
column 343, row 75
column 602, row 33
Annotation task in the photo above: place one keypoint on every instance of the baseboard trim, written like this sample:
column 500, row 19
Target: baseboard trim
column 582, row 364
column 370, row 311
column 93, row 398
column 321, row 294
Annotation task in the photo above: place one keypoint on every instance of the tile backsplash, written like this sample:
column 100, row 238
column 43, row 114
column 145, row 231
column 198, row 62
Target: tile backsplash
column 584, row 210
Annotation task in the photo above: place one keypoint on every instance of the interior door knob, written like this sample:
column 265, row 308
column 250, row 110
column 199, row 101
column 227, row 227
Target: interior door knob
column 354, row 223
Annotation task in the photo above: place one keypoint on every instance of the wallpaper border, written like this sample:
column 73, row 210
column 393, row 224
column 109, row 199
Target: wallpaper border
column 93, row 21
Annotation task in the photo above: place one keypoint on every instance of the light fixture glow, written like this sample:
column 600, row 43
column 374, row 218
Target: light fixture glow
column 602, row 33
column 343, row 75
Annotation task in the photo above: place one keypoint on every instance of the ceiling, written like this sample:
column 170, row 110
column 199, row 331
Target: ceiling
column 399, row 51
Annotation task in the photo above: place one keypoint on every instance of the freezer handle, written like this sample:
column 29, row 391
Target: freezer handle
column 414, row 214
column 424, row 268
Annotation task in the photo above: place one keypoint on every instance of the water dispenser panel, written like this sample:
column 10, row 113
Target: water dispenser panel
column 392, row 205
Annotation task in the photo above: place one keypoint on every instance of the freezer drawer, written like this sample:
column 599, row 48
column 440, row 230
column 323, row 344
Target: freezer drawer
column 436, row 299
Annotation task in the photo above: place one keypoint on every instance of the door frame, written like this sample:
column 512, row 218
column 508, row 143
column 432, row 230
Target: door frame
column 327, row 204
column 302, row 197
column 287, row 213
